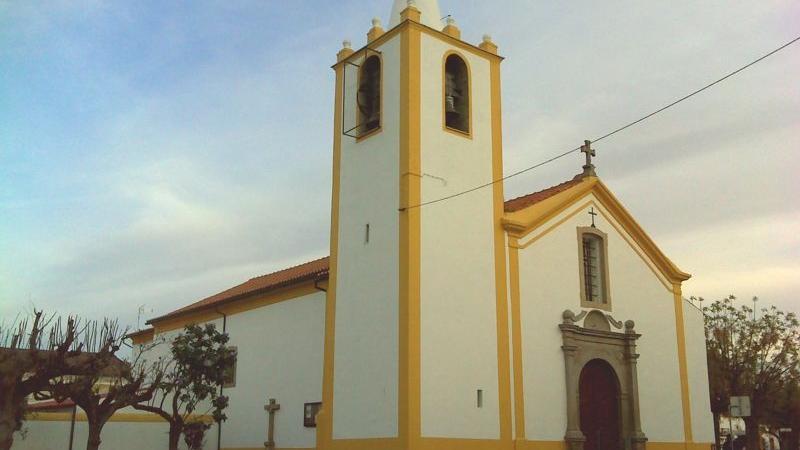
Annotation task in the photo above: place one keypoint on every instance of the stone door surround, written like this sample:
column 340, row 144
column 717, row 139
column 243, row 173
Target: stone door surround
column 596, row 340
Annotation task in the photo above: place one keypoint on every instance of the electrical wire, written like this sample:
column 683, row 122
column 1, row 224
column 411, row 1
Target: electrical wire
column 607, row 135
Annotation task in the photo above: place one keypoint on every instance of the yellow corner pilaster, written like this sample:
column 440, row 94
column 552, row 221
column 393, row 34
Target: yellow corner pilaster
column 682, row 363
column 325, row 416
column 503, row 343
column 516, row 339
column 410, row 223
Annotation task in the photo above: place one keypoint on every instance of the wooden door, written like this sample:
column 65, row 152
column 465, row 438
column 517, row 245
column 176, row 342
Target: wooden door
column 600, row 417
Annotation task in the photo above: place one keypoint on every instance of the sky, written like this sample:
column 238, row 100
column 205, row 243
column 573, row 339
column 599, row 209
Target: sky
column 153, row 153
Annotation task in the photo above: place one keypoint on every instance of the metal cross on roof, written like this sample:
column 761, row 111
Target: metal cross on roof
column 593, row 214
column 588, row 168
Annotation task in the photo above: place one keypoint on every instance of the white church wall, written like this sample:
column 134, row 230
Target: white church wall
column 549, row 284
column 458, row 299
column 545, row 274
column 702, row 420
column 280, row 353
column 366, row 338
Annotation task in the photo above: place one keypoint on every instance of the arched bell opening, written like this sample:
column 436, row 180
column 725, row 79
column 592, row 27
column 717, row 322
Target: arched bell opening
column 600, row 408
column 456, row 94
column 369, row 95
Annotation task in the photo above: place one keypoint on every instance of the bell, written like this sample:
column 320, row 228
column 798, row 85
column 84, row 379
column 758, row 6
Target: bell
column 450, row 105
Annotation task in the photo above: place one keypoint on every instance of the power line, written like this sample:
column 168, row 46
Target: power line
column 607, row 135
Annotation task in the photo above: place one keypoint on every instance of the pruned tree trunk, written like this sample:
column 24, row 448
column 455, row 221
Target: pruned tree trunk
column 6, row 432
column 753, row 434
column 8, row 417
column 93, row 442
column 175, row 430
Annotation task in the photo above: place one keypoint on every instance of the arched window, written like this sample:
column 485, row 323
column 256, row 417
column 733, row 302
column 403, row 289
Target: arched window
column 594, row 270
column 456, row 94
column 369, row 95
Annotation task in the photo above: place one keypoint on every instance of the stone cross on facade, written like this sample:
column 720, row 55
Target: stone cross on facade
column 588, row 168
column 593, row 214
column 272, row 407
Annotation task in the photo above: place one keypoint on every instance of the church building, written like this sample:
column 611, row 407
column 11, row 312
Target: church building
column 447, row 317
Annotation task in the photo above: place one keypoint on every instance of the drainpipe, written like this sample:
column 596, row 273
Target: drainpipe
column 316, row 285
column 221, row 386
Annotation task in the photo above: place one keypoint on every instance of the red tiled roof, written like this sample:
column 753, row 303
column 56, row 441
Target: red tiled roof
column 313, row 270
column 50, row 405
column 532, row 199
column 318, row 269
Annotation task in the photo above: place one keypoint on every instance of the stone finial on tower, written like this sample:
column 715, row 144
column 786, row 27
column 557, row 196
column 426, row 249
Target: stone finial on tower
column 451, row 28
column 426, row 12
column 488, row 45
column 411, row 12
column 376, row 31
column 345, row 52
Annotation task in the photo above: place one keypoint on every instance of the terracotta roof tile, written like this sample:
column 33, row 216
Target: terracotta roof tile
column 536, row 197
column 317, row 269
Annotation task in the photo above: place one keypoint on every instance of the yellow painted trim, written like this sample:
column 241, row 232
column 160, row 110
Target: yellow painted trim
column 344, row 54
column 500, row 270
column 540, row 445
column 455, row 131
column 325, row 415
column 465, row 46
column 653, row 268
column 237, row 307
column 262, row 448
column 118, row 417
column 523, row 222
column 462, row 444
column 552, row 227
column 516, row 339
column 374, row 33
column 374, row 44
column 561, row 445
column 452, row 31
column 143, row 337
column 473, row 49
column 411, row 13
column 520, row 223
column 409, row 410
column 366, row 444
column 490, row 47
column 679, row 446
column 660, row 275
column 680, row 330
column 379, row 128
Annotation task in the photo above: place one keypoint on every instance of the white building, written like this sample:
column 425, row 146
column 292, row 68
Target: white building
column 550, row 321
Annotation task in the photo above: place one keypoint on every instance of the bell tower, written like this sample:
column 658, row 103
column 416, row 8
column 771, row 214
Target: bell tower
column 417, row 333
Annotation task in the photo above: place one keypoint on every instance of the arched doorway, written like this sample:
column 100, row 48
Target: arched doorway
column 599, row 407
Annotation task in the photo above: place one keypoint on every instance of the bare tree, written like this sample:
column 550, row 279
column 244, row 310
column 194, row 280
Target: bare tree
column 128, row 384
column 42, row 348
